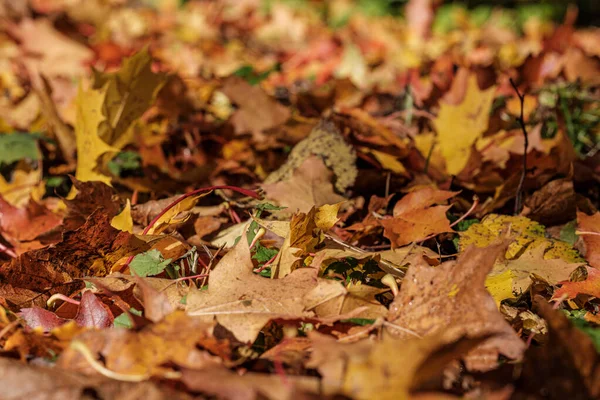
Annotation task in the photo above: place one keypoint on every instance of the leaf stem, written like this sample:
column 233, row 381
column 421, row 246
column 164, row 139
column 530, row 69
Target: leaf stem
column 521, row 120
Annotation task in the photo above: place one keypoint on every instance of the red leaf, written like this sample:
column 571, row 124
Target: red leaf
column 93, row 313
column 591, row 286
column 37, row 317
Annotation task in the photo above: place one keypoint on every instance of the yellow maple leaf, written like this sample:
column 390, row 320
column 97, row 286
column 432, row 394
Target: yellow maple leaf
column 459, row 126
column 90, row 147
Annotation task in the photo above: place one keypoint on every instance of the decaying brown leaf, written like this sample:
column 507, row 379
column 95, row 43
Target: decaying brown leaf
column 452, row 297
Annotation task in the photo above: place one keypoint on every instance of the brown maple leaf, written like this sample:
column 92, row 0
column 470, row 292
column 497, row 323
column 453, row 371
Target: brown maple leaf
column 88, row 251
column 452, row 296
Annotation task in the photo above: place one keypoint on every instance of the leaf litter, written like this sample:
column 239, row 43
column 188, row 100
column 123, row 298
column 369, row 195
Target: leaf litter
column 298, row 200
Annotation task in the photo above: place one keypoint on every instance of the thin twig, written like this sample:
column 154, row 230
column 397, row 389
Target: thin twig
column 583, row 233
column 521, row 120
column 8, row 251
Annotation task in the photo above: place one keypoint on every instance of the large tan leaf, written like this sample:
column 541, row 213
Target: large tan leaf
column 452, row 297
column 244, row 302
column 386, row 369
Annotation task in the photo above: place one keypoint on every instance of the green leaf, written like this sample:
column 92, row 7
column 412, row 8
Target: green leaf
column 125, row 162
column 263, row 254
column 253, row 77
column 123, row 320
column 359, row 321
column 567, row 233
column 18, row 146
column 149, row 263
column 269, row 207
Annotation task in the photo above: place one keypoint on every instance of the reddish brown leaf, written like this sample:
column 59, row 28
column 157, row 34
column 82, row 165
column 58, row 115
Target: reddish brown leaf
column 37, row 317
column 591, row 224
column 88, row 251
column 93, row 313
column 590, row 286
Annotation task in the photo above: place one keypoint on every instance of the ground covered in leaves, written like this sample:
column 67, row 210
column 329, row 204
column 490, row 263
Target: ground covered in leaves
column 297, row 200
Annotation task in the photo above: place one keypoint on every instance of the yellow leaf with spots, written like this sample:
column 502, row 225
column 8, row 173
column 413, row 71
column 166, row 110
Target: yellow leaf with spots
column 123, row 221
column 511, row 278
column 459, row 126
column 90, row 147
column 527, row 234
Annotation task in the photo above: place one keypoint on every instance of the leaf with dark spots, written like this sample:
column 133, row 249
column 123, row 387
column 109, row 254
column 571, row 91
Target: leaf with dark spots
column 90, row 197
column 88, row 251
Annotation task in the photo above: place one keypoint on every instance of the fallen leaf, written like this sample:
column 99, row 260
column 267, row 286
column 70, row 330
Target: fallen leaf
column 452, row 297
column 527, row 234
column 176, row 214
column 309, row 185
column 459, row 126
column 123, row 220
column 591, row 225
column 244, row 302
column 93, row 313
column 48, row 51
column 362, row 370
column 145, row 352
column 416, row 216
column 88, row 251
column 129, row 93
column 511, row 278
column 90, row 115
column 567, row 366
column 26, row 184
column 590, row 286
column 257, row 111
column 21, row 226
